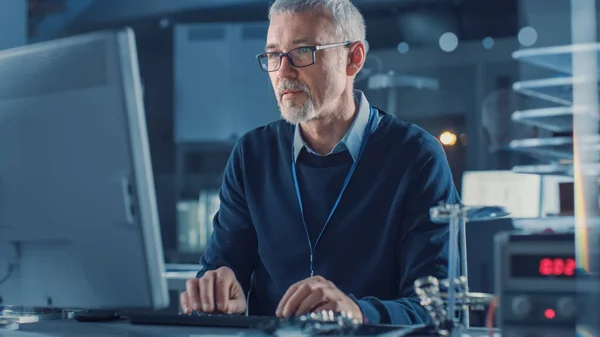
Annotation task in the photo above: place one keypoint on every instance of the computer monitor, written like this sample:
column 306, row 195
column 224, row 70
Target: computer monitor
column 78, row 216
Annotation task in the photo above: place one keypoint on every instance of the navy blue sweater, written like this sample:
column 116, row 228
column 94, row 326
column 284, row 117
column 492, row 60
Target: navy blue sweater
column 379, row 240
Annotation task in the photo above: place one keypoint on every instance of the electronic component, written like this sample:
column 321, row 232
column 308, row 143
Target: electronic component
column 434, row 296
column 205, row 320
column 316, row 323
column 535, row 284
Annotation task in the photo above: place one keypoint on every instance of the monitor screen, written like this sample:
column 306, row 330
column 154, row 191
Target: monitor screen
column 78, row 217
column 519, row 194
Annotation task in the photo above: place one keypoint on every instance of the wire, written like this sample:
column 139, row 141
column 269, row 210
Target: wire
column 490, row 316
column 11, row 269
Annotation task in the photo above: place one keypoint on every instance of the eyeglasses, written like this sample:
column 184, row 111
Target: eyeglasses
column 299, row 57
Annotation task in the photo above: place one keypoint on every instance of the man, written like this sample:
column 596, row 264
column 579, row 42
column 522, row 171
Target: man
column 329, row 208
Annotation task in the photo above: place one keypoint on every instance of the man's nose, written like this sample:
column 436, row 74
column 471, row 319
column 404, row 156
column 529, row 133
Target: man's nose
column 286, row 69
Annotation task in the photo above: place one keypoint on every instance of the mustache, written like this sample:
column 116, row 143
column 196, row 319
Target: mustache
column 291, row 85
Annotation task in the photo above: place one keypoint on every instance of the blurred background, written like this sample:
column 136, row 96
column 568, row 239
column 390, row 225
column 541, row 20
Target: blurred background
column 448, row 65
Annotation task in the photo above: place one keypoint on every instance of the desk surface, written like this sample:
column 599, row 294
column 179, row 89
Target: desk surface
column 71, row 328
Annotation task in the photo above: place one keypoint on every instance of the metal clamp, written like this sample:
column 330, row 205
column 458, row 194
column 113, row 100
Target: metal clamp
column 444, row 299
column 434, row 297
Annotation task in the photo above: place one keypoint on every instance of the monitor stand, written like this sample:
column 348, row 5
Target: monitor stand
column 97, row 315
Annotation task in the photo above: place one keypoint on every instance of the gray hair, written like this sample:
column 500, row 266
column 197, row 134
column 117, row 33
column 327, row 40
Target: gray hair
column 348, row 22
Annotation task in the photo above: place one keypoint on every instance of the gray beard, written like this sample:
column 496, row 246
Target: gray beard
column 296, row 114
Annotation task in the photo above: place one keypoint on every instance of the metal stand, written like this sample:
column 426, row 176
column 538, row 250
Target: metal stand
column 444, row 298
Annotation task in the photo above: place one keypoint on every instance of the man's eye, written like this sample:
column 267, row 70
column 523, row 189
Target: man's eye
column 304, row 50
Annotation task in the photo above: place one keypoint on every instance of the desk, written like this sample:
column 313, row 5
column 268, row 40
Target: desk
column 71, row 328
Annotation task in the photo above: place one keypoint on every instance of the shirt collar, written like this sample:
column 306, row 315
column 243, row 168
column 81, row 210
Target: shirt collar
column 354, row 136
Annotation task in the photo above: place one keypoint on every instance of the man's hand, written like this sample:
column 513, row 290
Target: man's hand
column 216, row 291
column 316, row 294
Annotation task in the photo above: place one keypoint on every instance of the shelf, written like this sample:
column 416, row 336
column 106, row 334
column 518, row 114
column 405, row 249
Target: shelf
column 555, row 223
column 549, row 169
column 550, row 148
column 559, row 119
column 558, row 90
column 556, row 119
column 554, row 148
column 557, row 169
column 558, row 58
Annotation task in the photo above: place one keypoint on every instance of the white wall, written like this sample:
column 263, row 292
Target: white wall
column 13, row 23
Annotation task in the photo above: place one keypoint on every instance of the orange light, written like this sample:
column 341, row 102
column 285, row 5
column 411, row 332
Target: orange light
column 549, row 313
column 448, row 138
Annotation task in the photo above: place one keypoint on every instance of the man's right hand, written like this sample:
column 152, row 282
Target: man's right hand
column 218, row 291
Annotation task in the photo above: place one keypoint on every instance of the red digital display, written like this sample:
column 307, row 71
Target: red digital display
column 539, row 266
column 557, row 267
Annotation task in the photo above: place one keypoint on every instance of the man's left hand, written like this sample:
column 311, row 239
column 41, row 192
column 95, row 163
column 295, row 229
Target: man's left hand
column 316, row 294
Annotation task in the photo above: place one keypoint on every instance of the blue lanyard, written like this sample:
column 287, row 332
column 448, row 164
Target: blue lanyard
column 363, row 145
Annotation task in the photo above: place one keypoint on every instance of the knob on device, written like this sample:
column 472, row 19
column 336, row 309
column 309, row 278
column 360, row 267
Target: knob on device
column 566, row 307
column 521, row 306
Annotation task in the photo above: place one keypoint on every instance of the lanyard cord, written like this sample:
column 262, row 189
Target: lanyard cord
column 335, row 205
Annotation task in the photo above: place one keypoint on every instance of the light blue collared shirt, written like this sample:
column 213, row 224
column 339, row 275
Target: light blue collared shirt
column 353, row 138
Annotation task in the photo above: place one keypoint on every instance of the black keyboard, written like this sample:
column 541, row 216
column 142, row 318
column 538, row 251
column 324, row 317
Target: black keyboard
column 205, row 320
column 247, row 322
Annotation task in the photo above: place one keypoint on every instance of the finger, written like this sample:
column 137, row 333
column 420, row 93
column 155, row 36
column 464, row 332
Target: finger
column 193, row 294
column 223, row 284
column 237, row 299
column 207, row 297
column 185, row 303
column 315, row 299
column 291, row 290
column 295, row 299
column 318, row 278
column 236, row 306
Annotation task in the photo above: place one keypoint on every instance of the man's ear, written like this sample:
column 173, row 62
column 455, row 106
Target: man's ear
column 356, row 58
